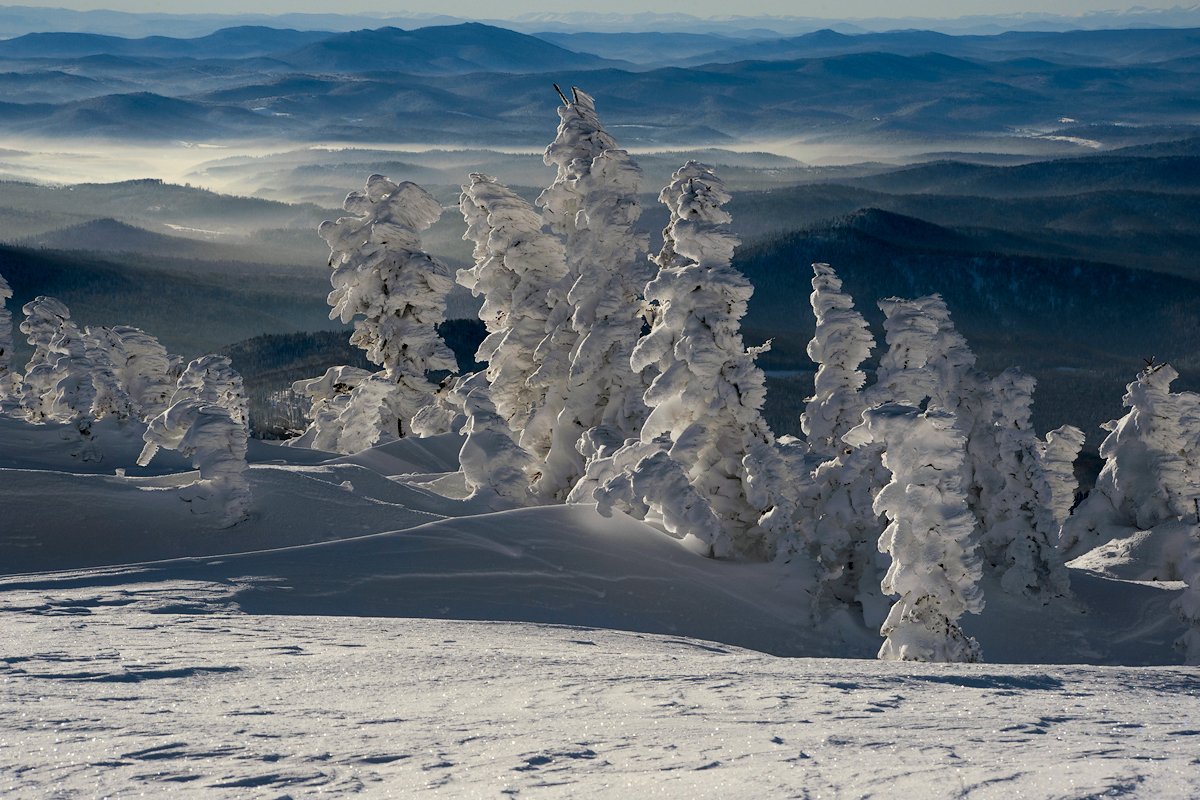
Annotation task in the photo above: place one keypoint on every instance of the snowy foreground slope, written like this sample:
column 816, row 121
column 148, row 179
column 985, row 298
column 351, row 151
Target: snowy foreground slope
column 105, row 699
column 282, row 656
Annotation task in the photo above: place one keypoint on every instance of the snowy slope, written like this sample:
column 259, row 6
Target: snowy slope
column 101, row 699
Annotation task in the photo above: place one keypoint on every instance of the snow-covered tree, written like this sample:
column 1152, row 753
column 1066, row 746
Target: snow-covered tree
column 329, row 395
column 1151, row 473
column 1188, row 604
column 1012, row 497
column 111, row 397
column 1058, row 452
column 45, row 319
column 935, row 566
column 206, row 422
column 840, row 345
column 707, row 392
column 593, row 204
column 146, row 372
column 396, row 294
column 517, row 264
column 7, row 377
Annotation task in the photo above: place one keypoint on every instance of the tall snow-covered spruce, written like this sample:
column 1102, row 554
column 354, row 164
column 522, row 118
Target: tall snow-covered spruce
column 706, row 393
column 935, row 566
column 395, row 293
column 593, row 205
column 517, row 265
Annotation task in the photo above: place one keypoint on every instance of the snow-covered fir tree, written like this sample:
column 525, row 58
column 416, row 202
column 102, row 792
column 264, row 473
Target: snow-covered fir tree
column 1151, row 472
column 517, row 265
column 329, row 396
column 1187, row 605
column 593, row 204
column 395, row 293
column 206, row 422
column 935, row 566
column 840, row 345
column 111, row 397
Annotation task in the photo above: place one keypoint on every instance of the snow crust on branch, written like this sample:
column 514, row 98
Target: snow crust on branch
column 206, row 422
column 935, row 565
column 593, row 204
column 517, row 265
column 396, row 294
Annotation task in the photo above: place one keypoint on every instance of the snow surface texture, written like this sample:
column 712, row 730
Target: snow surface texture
column 101, row 692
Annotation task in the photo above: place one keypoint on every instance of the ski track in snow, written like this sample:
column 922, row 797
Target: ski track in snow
column 117, row 697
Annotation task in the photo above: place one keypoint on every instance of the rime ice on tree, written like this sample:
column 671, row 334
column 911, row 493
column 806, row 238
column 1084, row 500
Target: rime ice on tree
column 593, row 204
column 935, row 567
column 396, row 294
column 1057, row 453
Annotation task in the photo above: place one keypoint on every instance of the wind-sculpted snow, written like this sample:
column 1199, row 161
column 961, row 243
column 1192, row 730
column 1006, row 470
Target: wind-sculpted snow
column 102, row 698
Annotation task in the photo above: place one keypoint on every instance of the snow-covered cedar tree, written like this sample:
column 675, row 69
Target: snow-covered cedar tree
column 593, row 204
column 517, row 263
column 1150, row 474
column 145, row 372
column 329, row 396
column 206, row 422
column 8, row 382
column 1058, row 453
column 840, row 345
column 707, row 392
column 493, row 464
column 395, row 293
column 935, row 566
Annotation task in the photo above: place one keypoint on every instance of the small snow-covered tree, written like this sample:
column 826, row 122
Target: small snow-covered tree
column 492, row 462
column 517, row 264
column 840, row 345
column 329, row 395
column 1151, row 473
column 396, row 294
column 7, row 377
column 935, row 566
column 1058, row 452
column 593, row 204
column 1188, row 603
column 143, row 368
column 206, row 422
column 45, row 319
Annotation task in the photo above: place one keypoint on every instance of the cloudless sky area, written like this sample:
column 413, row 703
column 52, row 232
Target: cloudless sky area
column 489, row 9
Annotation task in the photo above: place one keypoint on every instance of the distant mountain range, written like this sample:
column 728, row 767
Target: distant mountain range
column 474, row 84
column 18, row 20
